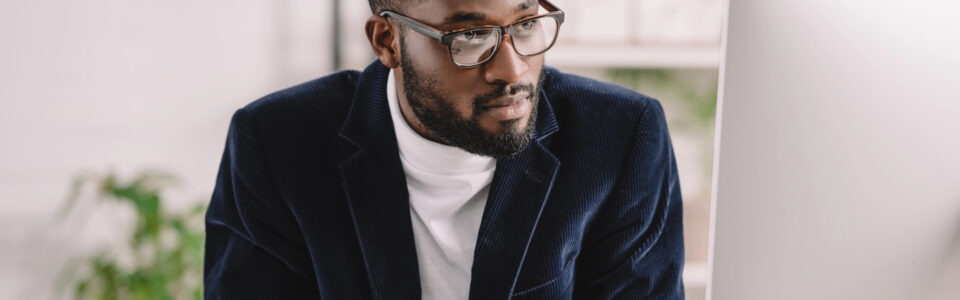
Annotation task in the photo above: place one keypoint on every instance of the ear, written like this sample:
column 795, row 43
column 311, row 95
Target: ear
column 384, row 39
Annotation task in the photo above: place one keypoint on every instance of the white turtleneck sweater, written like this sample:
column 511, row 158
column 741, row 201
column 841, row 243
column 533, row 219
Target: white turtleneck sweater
column 448, row 190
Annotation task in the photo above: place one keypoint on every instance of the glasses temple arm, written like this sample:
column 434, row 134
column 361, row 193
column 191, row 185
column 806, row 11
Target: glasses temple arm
column 417, row 26
column 548, row 6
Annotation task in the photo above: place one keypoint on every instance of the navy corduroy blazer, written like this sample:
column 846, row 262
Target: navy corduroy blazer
column 311, row 200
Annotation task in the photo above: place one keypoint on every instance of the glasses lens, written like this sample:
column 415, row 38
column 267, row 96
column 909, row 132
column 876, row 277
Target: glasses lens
column 534, row 36
column 474, row 46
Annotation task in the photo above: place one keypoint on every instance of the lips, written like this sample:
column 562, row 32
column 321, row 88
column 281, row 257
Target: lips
column 507, row 100
column 508, row 108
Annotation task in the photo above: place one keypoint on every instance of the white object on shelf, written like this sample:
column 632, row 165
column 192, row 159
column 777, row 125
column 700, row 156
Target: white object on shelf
column 677, row 21
column 599, row 21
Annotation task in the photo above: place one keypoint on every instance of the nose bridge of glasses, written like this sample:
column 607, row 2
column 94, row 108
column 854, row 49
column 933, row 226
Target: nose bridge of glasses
column 507, row 34
column 502, row 36
column 505, row 65
column 511, row 32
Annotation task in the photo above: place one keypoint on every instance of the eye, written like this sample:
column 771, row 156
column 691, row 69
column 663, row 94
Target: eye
column 528, row 25
column 474, row 36
column 526, row 28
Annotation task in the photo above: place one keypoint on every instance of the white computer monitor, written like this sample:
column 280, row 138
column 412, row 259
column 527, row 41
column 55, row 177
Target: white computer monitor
column 838, row 151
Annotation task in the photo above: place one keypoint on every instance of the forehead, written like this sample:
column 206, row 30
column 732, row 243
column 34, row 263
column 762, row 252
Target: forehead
column 440, row 12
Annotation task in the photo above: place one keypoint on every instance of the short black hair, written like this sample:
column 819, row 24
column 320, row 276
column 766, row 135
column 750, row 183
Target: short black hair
column 377, row 6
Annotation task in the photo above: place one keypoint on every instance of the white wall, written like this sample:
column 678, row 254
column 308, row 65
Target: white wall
column 100, row 84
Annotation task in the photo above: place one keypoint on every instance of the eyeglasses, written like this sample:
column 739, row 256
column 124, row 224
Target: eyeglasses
column 473, row 47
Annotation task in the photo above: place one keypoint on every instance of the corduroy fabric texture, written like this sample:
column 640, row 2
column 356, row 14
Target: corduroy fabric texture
column 311, row 202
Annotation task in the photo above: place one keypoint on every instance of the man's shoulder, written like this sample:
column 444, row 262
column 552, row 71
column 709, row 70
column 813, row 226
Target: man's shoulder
column 581, row 98
column 325, row 100
column 331, row 90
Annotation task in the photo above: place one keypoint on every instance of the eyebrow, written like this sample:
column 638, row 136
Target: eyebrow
column 526, row 5
column 465, row 16
column 462, row 16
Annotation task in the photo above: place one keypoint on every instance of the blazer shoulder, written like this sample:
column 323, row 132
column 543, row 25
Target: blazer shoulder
column 569, row 89
column 578, row 99
column 326, row 98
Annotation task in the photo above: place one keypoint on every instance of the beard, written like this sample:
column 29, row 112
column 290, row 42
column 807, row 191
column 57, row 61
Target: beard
column 441, row 118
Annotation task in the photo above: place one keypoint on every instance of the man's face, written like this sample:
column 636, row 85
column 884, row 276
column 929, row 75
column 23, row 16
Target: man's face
column 488, row 110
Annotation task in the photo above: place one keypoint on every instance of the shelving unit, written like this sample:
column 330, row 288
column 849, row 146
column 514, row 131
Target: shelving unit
column 635, row 56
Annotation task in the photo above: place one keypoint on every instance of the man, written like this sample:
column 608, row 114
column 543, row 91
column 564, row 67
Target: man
column 454, row 167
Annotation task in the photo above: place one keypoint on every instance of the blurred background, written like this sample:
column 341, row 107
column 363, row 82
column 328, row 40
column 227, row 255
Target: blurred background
column 123, row 106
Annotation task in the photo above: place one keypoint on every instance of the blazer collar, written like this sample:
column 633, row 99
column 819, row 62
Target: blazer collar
column 376, row 191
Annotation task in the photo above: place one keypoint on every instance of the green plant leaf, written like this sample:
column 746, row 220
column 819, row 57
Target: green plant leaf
column 161, row 269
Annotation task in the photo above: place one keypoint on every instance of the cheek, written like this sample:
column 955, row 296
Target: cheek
column 432, row 62
column 427, row 54
column 454, row 88
column 535, row 65
column 460, row 88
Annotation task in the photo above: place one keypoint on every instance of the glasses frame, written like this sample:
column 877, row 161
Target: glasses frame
column 446, row 37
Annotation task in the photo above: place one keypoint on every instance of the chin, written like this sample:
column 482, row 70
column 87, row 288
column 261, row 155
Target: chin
column 507, row 126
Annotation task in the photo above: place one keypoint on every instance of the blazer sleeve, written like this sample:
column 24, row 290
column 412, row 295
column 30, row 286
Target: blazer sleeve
column 635, row 249
column 254, row 249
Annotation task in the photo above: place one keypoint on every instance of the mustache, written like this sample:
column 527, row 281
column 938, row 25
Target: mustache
column 505, row 90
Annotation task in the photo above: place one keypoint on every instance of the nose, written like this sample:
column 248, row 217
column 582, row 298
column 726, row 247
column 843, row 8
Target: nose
column 506, row 66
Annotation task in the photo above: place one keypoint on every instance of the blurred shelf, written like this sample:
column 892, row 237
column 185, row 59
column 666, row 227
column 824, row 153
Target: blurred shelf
column 633, row 56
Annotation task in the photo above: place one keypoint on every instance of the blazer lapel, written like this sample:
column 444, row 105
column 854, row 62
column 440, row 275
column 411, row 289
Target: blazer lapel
column 518, row 193
column 376, row 190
